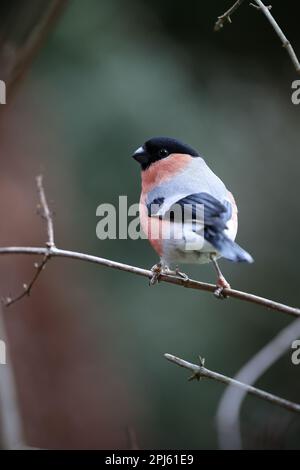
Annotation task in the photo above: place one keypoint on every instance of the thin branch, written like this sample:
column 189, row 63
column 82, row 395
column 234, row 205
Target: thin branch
column 259, row 5
column 52, row 251
column 28, row 287
column 200, row 372
column 226, row 17
column 285, row 42
column 21, row 38
column 47, row 216
column 189, row 283
column 228, row 414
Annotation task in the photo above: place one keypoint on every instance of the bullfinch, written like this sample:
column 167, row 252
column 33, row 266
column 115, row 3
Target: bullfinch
column 186, row 211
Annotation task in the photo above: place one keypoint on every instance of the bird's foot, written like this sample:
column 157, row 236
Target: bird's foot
column 178, row 273
column 221, row 285
column 175, row 273
column 157, row 271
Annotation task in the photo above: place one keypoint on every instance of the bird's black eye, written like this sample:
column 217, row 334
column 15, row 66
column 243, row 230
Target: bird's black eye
column 162, row 153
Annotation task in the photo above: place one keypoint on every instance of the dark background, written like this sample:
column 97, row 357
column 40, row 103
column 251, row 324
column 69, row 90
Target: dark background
column 88, row 344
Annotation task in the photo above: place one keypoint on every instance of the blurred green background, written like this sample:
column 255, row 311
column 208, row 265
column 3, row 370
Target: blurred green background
column 111, row 75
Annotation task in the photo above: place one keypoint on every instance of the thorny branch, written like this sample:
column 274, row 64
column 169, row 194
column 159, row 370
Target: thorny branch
column 199, row 372
column 46, row 214
column 27, row 287
column 285, row 42
column 226, row 17
column 229, row 410
column 191, row 284
column 51, row 251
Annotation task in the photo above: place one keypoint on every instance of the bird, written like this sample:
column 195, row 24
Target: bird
column 186, row 211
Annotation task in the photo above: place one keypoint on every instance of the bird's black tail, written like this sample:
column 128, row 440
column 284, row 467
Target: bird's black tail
column 231, row 250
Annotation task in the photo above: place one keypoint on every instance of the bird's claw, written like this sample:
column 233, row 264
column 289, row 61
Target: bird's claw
column 156, row 270
column 183, row 276
column 176, row 273
column 221, row 285
column 219, row 293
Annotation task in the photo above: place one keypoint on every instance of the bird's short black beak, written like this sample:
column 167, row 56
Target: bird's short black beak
column 140, row 155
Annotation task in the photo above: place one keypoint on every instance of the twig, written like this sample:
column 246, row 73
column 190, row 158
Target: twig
column 31, row 27
column 191, row 284
column 226, row 17
column 200, row 372
column 285, row 42
column 52, row 251
column 27, row 287
column 46, row 214
column 228, row 414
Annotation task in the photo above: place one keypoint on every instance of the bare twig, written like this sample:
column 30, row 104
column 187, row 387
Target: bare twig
column 228, row 421
column 259, row 5
column 22, row 35
column 285, row 42
column 199, row 372
column 226, row 17
column 46, row 214
column 191, row 284
column 52, row 251
column 27, row 287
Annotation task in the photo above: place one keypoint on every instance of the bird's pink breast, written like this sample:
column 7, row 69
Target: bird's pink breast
column 163, row 170
column 152, row 227
column 158, row 173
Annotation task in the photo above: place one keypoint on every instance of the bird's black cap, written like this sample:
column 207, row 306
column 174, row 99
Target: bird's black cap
column 158, row 148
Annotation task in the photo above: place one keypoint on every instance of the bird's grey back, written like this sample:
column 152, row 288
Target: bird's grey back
column 197, row 177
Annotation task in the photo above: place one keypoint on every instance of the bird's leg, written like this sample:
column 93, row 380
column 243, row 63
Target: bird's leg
column 221, row 281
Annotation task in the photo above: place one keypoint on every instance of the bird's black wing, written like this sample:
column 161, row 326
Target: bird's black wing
column 215, row 213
